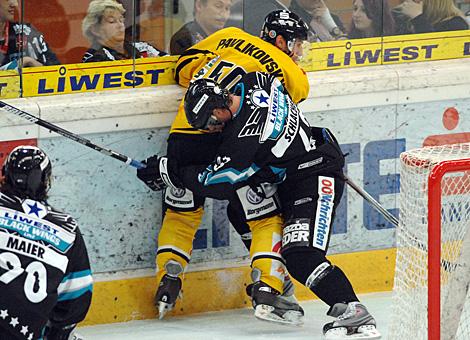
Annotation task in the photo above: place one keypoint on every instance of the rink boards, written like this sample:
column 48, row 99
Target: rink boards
column 376, row 113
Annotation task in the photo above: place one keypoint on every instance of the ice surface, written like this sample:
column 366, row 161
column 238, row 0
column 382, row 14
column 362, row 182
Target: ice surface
column 235, row 324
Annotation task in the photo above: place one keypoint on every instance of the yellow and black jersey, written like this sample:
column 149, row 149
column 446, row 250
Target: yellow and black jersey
column 226, row 56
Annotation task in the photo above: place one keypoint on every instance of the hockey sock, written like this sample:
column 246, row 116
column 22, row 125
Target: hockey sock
column 328, row 282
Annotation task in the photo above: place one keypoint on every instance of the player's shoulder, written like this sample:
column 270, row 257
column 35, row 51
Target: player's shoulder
column 228, row 31
column 24, row 28
column 260, row 78
column 62, row 219
column 9, row 201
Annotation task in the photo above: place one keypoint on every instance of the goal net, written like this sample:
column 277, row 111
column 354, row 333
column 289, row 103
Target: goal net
column 431, row 298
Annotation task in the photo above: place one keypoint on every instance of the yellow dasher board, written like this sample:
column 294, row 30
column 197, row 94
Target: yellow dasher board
column 9, row 84
column 387, row 50
column 100, row 76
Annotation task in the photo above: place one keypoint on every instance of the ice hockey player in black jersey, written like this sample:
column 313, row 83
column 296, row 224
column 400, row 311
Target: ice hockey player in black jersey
column 45, row 278
column 267, row 142
column 225, row 56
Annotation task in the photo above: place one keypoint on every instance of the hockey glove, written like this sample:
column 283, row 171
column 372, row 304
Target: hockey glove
column 157, row 174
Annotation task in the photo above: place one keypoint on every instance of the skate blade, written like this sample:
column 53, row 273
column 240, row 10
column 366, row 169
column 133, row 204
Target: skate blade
column 163, row 308
column 265, row 313
column 363, row 332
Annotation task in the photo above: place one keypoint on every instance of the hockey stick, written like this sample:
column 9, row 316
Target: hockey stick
column 33, row 119
column 372, row 201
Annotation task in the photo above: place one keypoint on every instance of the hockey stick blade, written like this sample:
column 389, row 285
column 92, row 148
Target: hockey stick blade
column 67, row 134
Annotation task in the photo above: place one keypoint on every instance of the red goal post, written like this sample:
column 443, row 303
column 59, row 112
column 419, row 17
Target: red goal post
column 432, row 271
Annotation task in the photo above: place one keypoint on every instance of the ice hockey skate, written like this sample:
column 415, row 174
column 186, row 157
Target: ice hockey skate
column 169, row 289
column 353, row 321
column 269, row 305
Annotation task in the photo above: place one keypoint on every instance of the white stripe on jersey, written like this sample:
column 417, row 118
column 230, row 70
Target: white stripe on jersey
column 75, row 284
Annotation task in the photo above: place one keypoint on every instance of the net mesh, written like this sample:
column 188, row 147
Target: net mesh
column 409, row 310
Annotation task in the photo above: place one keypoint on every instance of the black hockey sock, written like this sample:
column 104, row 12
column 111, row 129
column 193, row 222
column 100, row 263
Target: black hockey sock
column 333, row 287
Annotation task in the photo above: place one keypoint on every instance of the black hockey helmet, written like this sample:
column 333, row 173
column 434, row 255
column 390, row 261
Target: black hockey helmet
column 27, row 171
column 284, row 23
column 202, row 97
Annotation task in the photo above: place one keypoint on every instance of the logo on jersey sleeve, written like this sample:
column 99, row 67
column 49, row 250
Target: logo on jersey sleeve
column 259, row 98
column 179, row 198
column 325, row 205
column 34, row 208
column 277, row 113
column 254, row 206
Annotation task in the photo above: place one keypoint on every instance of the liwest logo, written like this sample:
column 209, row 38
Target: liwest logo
column 276, row 116
column 326, row 195
column 389, row 55
column 90, row 82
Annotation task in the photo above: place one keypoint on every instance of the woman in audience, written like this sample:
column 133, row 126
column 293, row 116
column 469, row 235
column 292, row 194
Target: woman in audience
column 432, row 15
column 104, row 28
column 371, row 18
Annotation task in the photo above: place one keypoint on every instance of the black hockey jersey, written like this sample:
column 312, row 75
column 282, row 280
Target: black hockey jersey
column 268, row 136
column 44, row 269
column 24, row 40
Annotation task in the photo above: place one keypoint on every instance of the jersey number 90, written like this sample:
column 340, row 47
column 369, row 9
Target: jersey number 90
column 35, row 284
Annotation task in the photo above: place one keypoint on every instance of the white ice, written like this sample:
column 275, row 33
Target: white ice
column 235, row 324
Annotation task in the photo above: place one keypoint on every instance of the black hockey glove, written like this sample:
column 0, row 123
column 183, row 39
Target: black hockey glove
column 157, row 174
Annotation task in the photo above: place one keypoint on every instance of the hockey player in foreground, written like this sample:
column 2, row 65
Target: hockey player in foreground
column 267, row 141
column 226, row 56
column 45, row 278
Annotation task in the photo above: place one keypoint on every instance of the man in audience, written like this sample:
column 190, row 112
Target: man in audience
column 209, row 17
column 246, row 14
column 323, row 25
column 21, row 44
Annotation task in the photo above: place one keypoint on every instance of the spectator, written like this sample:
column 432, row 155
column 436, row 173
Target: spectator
column 432, row 15
column 209, row 17
column 246, row 14
column 324, row 26
column 371, row 18
column 21, row 43
column 104, row 27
